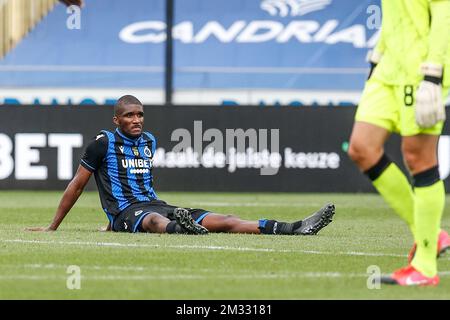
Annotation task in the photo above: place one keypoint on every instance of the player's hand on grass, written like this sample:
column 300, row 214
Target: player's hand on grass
column 430, row 108
column 41, row 229
column 105, row 229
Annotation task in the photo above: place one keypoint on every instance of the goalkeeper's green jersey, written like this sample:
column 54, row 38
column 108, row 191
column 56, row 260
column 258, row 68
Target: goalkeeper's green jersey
column 412, row 32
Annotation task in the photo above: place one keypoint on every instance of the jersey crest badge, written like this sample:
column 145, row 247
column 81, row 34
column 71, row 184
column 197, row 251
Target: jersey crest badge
column 135, row 151
column 147, row 152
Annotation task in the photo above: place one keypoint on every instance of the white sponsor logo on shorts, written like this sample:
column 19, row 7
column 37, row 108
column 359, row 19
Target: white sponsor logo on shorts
column 136, row 213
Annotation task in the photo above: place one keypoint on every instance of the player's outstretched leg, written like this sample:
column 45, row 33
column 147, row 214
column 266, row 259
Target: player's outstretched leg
column 187, row 223
column 316, row 222
column 308, row 226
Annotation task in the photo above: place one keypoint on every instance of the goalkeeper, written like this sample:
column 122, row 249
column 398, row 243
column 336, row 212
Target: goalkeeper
column 405, row 93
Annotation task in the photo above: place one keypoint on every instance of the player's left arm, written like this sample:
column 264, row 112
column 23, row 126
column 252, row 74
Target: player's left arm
column 430, row 107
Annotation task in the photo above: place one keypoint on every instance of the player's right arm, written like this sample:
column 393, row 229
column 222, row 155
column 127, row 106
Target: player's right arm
column 90, row 162
column 70, row 196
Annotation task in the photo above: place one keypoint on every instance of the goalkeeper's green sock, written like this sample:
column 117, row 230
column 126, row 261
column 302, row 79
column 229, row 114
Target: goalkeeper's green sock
column 394, row 187
column 428, row 208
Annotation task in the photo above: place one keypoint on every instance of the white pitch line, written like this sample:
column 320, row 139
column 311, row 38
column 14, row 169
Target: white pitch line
column 109, row 268
column 306, row 275
column 273, row 204
column 199, row 247
column 192, row 277
column 153, row 268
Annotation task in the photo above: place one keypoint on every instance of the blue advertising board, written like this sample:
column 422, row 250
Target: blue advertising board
column 219, row 45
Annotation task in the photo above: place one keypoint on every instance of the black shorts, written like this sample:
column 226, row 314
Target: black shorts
column 130, row 219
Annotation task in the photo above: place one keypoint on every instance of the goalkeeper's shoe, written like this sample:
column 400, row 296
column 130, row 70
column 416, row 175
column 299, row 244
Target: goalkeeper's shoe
column 443, row 245
column 316, row 222
column 409, row 276
column 187, row 223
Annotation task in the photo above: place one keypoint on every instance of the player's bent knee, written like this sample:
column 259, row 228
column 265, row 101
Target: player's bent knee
column 152, row 222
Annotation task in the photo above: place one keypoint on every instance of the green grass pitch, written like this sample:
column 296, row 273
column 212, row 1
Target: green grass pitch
column 331, row 265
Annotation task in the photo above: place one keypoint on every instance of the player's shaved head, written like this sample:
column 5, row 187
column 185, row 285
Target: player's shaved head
column 125, row 101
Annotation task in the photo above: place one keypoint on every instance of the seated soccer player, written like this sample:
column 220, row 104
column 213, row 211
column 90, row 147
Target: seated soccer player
column 122, row 164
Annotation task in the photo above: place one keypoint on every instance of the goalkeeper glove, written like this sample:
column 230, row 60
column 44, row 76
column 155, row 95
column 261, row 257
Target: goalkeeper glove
column 430, row 108
column 373, row 57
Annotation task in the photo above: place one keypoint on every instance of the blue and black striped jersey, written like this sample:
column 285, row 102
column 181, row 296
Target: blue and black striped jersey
column 122, row 169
